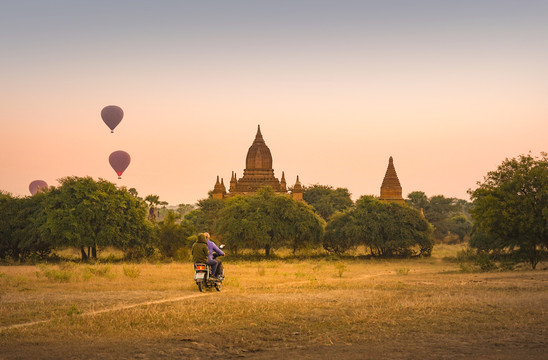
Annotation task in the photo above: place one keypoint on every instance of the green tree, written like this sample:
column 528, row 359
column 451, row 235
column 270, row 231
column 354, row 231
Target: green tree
column 152, row 201
column 10, row 224
column 173, row 235
column 20, row 227
column 183, row 209
column 460, row 225
column 510, row 208
column 444, row 213
column 339, row 236
column 238, row 224
column 134, row 193
column 83, row 212
column 205, row 217
column 326, row 200
column 307, row 226
column 387, row 229
column 418, row 200
column 268, row 221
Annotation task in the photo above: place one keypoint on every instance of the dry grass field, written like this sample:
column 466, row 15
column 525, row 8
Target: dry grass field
column 350, row 309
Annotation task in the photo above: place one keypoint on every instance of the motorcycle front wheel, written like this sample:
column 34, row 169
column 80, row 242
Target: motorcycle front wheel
column 218, row 286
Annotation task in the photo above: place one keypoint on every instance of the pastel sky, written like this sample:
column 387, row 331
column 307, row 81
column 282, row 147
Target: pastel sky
column 448, row 88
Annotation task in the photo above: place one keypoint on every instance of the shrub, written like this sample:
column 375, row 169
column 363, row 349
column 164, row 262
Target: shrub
column 341, row 268
column 467, row 254
column 56, row 275
column 182, row 254
column 73, row 310
column 485, row 263
column 132, row 271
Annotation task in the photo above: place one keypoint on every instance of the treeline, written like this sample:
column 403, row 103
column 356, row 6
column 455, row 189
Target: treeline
column 508, row 216
column 90, row 214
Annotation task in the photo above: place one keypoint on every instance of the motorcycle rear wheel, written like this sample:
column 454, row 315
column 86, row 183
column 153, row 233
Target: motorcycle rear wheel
column 200, row 285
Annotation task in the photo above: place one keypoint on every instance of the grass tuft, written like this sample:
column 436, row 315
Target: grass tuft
column 55, row 274
column 341, row 268
column 131, row 271
column 73, row 310
column 261, row 271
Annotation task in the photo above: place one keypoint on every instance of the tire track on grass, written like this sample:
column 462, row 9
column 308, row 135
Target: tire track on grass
column 97, row 312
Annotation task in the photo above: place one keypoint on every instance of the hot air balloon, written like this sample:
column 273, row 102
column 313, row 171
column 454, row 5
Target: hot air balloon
column 37, row 185
column 112, row 115
column 119, row 160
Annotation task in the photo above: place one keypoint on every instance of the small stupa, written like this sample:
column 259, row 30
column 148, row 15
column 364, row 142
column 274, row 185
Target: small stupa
column 297, row 190
column 391, row 188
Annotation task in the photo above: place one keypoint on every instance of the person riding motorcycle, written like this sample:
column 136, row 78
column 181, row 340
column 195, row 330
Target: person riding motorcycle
column 213, row 256
column 200, row 250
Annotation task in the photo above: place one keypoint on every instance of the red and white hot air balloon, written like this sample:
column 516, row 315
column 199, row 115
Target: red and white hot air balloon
column 119, row 160
column 112, row 115
column 37, row 185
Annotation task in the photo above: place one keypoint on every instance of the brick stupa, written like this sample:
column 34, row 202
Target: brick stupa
column 391, row 188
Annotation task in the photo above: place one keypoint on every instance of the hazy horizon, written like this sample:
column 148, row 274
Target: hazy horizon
column 449, row 89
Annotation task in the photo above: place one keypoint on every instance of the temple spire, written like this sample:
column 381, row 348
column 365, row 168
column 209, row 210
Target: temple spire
column 233, row 182
column 297, row 192
column 259, row 136
column 219, row 189
column 223, row 186
column 391, row 189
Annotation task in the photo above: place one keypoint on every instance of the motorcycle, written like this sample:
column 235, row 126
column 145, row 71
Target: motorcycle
column 204, row 278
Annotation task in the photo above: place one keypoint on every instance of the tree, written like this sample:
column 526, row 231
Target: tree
column 326, row 200
column 460, row 225
column 510, row 208
column 205, row 217
column 183, row 209
column 444, row 213
column 83, row 212
column 10, row 224
column 152, row 201
column 418, row 200
column 307, row 226
column 268, row 221
column 172, row 236
column 238, row 224
column 20, row 227
column 338, row 236
column 387, row 229
column 133, row 192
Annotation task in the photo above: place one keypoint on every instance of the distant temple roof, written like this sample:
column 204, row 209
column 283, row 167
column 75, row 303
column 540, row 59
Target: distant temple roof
column 258, row 155
column 258, row 172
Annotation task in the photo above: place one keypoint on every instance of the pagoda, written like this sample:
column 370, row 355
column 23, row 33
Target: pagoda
column 258, row 173
column 391, row 189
